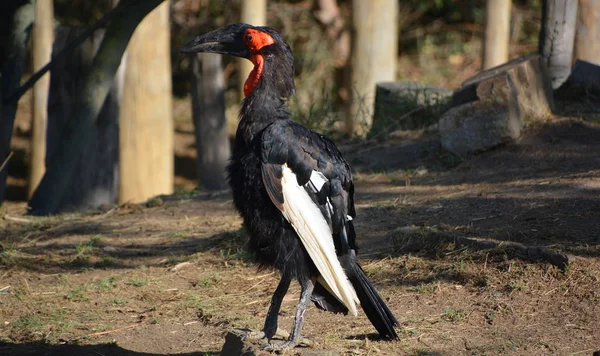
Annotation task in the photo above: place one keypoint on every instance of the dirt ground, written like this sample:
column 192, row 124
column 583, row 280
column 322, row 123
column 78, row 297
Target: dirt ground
column 461, row 250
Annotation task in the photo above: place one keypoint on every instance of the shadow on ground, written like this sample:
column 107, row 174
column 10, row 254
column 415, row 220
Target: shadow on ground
column 43, row 349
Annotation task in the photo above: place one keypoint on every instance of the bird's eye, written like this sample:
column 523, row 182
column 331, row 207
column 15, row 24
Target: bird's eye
column 249, row 37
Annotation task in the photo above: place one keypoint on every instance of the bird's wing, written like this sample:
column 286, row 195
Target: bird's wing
column 310, row 183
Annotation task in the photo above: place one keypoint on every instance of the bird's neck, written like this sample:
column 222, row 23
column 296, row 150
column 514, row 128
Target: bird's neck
column 266, row 102
column 260, row 109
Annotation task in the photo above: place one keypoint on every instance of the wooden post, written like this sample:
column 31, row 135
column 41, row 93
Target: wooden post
column 557, row 38
column 146, row 156
column 374, row 57
column 254, row 12
column 43, row 37
column 497, row 33
column 93, row 91
column 587, row 36
column 21, row 17
column 210, row 125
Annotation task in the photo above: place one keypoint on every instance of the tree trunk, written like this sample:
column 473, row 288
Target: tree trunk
column 14, row 57
column 43, row 37
column 557, row 38
column 146, row 158
column 374, row 57
column 94, row 89
column 208, row 111
column 96, row 170
column 497, row 33
column 254, row 12
column 587, row 37
column 328, row 13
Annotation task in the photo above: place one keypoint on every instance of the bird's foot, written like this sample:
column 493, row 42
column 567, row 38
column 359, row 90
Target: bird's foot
column 280, row 346
column 262, row 338
column 288, row 345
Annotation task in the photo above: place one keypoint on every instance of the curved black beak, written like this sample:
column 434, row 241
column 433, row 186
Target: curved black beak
column 226, row 40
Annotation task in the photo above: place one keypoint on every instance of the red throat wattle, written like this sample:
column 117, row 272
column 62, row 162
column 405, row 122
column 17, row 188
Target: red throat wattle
column 255, row 40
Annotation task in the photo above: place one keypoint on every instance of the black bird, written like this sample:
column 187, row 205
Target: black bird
column 293, row 189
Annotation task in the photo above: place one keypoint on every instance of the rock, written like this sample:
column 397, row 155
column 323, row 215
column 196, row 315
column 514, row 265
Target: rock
column 235, row 346
column 525, row 77
column 407, row 106
column 491, row 107
column 475, row 127
column 181, row 265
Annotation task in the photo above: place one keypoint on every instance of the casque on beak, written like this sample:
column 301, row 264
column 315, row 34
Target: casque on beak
column 226, row 40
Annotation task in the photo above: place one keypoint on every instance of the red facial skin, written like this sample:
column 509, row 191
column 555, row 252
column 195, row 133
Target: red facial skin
column 255, row 40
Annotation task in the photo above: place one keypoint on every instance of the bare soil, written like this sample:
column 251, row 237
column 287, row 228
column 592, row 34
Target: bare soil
column 171, row 277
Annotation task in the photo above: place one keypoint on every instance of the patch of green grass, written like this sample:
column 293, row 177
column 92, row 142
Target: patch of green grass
column 84, row 248
column 490, row 316
column 41, row 223
column 138, row 282
column 28, row 324
column 408, row 332
column 96, row 240
column 405, row 238
column 106, row 284
column 514, row 286
column 77, row 294
column 239, row 253
column 8, row 252
column 208, row 281
column 119, row 301
column 106, row 261
column 155, row 202
column 452, row 315
column 181, row 233
column 182, row 193
column 426, row 288
column 42, row 326
column 422, row 351
column 193, row 301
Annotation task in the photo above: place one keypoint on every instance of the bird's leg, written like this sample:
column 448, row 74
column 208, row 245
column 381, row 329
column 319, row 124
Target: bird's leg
column 270, row 328
column 307, row 286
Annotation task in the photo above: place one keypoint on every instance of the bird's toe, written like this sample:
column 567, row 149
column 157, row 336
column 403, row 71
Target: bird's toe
column 253, row 336
column 287, row 345
column 280, row 346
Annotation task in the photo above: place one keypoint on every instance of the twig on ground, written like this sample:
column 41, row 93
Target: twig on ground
column 261, row 276
column 115, row 330
column 17, row 219
column 27, row 285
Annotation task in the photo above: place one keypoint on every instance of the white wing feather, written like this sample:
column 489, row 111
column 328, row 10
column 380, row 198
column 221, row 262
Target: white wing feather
column 315, row 234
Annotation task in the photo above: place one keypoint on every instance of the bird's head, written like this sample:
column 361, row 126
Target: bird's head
column 263, row 46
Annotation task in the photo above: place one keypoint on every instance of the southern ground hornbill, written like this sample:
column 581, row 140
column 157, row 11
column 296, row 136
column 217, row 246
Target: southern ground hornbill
column 293, row 189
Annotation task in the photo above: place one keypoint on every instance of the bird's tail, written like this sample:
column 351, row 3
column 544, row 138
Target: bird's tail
column 375, row 308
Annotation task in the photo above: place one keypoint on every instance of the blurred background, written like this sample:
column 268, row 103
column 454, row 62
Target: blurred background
column 147, row 127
